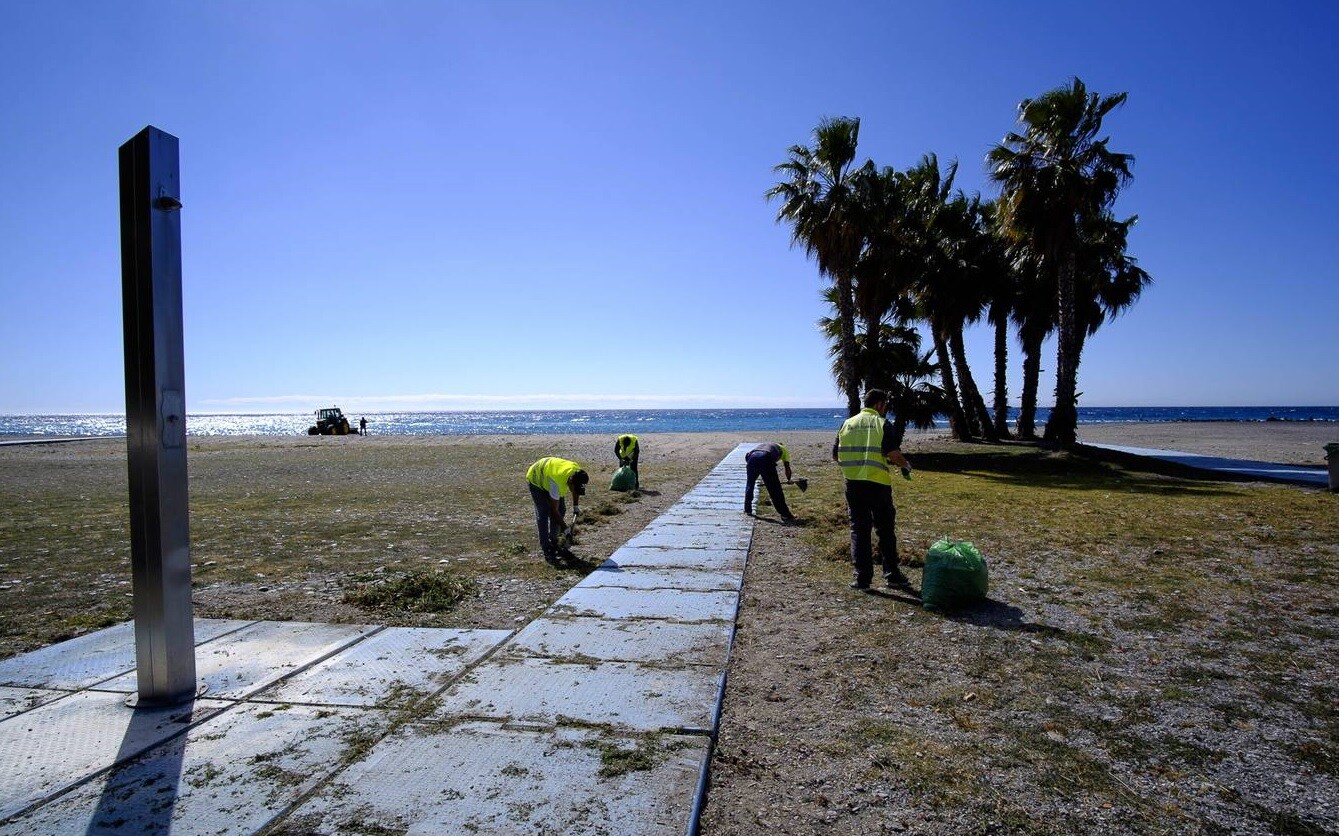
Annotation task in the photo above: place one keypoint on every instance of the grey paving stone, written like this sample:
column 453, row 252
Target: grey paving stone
column 419, row 658
column 667, row 604
column 230, row 775
column 689, row 580
column 691, row 537
column 486, row 778
column 623, row 695
column 57, row 745
column 18, row 700
column 666, row 643
column 243, row 662
column 93, row 657
column 708, row 560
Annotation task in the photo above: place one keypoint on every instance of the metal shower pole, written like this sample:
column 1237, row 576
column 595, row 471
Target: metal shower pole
column 156, row 418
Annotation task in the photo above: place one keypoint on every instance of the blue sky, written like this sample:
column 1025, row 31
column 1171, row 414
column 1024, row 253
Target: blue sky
column 536, row 205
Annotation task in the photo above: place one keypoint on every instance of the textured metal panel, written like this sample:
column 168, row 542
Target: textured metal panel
column 93, row 657
column 667, row 643
column 230, row 775
column 422, row 659
column 59, row 744
column 668, row 604
column 485, row 778
column 708, row 560
column 689, row 580
column 1241, row 467
column 679, row 515
column 255, row 657
column 18, row 700
column 622, row 694
column 691, row 537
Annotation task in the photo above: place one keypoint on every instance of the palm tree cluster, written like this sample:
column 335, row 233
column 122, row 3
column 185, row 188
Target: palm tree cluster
column 903, row 249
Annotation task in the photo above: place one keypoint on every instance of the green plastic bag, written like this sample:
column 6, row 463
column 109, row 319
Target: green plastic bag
column 955, row 576
column 625, row 479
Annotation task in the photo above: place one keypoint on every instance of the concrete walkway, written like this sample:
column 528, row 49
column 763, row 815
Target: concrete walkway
column 596, row 718
column 1298, row 475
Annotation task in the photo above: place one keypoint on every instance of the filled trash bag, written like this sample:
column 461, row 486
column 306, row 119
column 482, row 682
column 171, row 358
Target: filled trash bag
column 625, row 479
column 955, row 576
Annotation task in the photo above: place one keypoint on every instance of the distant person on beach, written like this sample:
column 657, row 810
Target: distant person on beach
column 864, row 448
column 628, row 450
column 761, row 463
column 549, row 479
column 362, row 425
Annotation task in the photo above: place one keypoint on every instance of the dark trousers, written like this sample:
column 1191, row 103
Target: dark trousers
column 548, row 530
column 871, row 506
column 761, row 465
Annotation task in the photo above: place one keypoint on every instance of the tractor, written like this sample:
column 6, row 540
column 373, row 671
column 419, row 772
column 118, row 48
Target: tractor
column 331, row 422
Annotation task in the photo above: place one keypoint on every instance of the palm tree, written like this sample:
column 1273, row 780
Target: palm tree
column 894, row 363
column 817, row 201
column 1056, row 175
column 1002, row 285
column 1109, row 280
column 948, row 286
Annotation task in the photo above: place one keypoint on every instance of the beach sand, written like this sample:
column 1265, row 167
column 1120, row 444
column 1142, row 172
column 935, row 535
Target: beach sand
column 1277, row 442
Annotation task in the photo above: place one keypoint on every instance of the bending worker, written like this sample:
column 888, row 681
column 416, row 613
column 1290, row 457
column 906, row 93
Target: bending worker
column 628, row 451
column 549, row 478
column 864, row 449
column 761, row 462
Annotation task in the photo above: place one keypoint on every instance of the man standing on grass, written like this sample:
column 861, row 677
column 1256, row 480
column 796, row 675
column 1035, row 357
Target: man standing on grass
column 864, row 449
column 761, row 463
column 550, row 478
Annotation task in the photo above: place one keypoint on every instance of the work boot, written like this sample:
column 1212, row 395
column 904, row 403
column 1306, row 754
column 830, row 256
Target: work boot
column 897, row 580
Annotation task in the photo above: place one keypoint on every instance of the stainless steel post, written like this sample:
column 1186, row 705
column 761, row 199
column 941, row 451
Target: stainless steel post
column 156, row 417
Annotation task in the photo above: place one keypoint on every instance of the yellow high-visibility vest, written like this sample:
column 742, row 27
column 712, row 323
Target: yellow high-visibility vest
column 860, row 448
column 551, row 468
column 625, row 445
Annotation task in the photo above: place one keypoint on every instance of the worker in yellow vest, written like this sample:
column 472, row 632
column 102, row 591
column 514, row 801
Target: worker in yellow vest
column 628, row 450
column 864, row 448
column 760, row 463
column 549, row 479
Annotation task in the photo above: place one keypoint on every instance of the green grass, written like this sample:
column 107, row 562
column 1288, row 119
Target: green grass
column 413, row 591
column 265, row 513
column 1126, row 606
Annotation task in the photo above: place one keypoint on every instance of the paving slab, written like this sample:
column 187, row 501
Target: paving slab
column 18, row 700
column 677, row 515
column 230, row 775
column 243, row 662
column 623, row 695
column 62, row 743
column 423, row 659
column 692, row 537
column 93, row 657
column 636, row 640
column 634, row 577
column 487, row 778
column 710, row 560
column 1296, row 474
column 665, row 604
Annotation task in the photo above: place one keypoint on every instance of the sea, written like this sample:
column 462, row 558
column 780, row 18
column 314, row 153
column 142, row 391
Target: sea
column 610, row 421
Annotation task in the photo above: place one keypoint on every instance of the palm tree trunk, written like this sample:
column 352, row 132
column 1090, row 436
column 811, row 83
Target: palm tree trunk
column 1001, row 377
column 846, row 319
column 1063, row 424
column 957, row 420
column 899, row 429
column 978, row 419
column 873, row 349
column 1027, row 412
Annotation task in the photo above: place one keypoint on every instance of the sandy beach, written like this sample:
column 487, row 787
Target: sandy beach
column 1278, row 442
